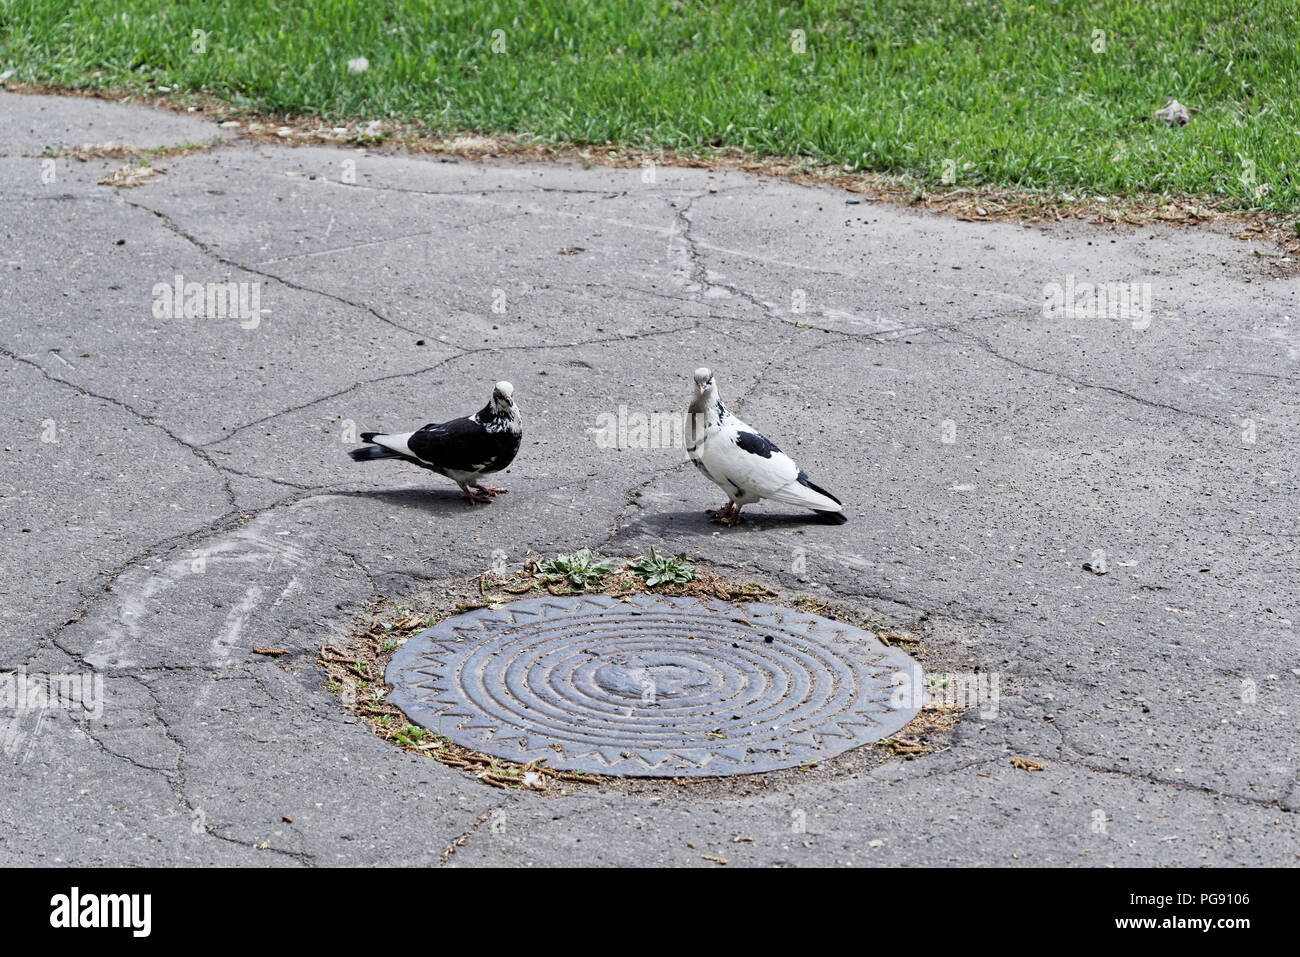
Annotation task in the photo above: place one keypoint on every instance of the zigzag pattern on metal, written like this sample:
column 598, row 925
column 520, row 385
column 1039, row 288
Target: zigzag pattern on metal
column 653, row 687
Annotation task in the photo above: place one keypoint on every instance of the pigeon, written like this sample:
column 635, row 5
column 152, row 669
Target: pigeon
column 745, row 464
column 463, row 449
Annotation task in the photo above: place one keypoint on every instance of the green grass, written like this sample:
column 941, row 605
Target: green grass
column 999, row 94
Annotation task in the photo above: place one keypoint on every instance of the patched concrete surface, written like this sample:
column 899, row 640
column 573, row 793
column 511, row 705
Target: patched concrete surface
column 32, row 125
column 175, row 493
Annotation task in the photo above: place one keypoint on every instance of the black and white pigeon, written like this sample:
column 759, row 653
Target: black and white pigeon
column 463, row 449
column 744, row 463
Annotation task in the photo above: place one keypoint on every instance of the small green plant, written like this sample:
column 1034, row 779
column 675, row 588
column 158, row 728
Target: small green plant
column 937, row 682
column 581, row 570
column 410, row 735
column 658, row 570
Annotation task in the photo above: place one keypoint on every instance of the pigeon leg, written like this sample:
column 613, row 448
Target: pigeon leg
column 733, row 519
column 472, row 497
column 722, row 515
column 490, row 490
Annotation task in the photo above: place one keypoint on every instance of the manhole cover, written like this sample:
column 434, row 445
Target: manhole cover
column 650, row 686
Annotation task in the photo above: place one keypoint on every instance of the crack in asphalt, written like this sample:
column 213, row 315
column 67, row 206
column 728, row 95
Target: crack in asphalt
column 1273, row 805
column 223, row 523
column 479, row 193
column 149, row 420
column 440, row 364
column 178, row 785
column 366, row 245
column 1083, row 383
column 213, row 254
column 460, row 841
column 174, row 775
column 684, row 226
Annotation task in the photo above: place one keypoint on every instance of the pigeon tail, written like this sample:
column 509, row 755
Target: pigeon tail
column 373, row 452
column 808, row 483
column 804, row 493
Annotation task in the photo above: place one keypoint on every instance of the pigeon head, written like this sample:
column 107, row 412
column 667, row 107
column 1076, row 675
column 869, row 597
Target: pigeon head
column 501, row 413
column 503, row 397
column 703, row 380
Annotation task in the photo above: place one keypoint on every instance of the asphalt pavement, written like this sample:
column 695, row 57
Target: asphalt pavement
column 997, row 404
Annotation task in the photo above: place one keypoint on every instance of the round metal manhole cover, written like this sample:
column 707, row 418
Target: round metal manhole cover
column 649, row 686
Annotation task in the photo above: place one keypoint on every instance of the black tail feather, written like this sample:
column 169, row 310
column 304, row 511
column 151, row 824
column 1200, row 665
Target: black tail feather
column 372, row 451
column 806, row 482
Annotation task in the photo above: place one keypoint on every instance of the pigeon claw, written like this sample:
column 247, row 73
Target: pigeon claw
column 728, row 515
column 490, row 490
column 475, row 498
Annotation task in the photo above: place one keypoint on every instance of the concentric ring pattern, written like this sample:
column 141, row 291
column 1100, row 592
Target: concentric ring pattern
column 649, row 686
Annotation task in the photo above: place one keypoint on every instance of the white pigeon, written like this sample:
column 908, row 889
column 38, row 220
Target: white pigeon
column 745, row 464
column 463, row 449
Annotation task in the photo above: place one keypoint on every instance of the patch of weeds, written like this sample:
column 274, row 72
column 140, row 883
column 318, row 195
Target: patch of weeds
column 894, row 639
column 403, row 620
column 411, row 735
column 580, row 571
column 658, row 569
column 941, row 718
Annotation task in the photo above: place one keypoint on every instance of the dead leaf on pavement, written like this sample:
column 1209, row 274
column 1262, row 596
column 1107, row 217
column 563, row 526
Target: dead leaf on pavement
column 1024, row 764
column 129, row 176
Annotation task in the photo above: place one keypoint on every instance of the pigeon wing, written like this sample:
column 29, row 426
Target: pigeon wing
column 744, row 459
column 461, row 445
column 754, row 463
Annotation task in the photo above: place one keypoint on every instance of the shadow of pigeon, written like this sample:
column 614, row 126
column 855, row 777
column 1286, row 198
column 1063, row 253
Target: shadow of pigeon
column 437, row 500
column 694, row 522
